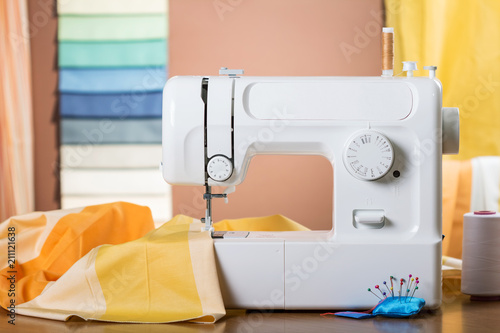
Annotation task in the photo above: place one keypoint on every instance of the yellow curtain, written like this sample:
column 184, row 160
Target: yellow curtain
column 16, row 151
column 462, row 38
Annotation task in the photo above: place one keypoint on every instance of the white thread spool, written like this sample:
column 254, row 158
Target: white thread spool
column 481, row 255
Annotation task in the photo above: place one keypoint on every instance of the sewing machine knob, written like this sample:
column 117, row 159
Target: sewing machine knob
column 368, row 155
column 219, row 168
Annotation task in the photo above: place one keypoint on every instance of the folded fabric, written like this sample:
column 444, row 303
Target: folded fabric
column 123, row 105
column 457, row 183
column 106, row 131
column 485, row 183
column 468, row 185
column 48, row 244
column 112, row 80
column 166, row 276
column 111, row 6
column 160, row 204
column 112, row 27
column 110, row 156
column 112, row 181
column 113, row 54
column 268, row 223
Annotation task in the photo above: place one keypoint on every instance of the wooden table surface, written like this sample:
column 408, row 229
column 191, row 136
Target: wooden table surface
column 457, row 314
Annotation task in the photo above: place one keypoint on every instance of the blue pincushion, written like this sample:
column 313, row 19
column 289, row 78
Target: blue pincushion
column 393, row 307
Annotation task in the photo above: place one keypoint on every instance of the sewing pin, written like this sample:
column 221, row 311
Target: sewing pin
column 378, row 287
column 400, row 290
column 409, row 278
column 374, row 293
column 385, row 295
column 409, row 288
column 416, row 287
column 385, row 284
column 392, row 286
column 392, row 292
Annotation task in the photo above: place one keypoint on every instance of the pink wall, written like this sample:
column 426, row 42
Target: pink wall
column 275, row 37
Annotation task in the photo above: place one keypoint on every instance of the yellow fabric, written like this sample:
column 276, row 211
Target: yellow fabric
column 168, row 275
column 462, row 38
column 268, row 223
column 158, row 273
column 74, row 235
column 457, row 185
column 150, row 275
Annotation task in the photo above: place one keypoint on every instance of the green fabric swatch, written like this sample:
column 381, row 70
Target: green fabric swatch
column 112, row 27
column 113, row 54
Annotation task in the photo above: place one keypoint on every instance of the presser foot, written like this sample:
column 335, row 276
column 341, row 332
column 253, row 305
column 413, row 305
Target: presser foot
column 208, row 196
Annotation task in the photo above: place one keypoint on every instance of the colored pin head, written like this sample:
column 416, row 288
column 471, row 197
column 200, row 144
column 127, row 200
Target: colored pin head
column 385, row 282
column 376, row 286
column 410, row 275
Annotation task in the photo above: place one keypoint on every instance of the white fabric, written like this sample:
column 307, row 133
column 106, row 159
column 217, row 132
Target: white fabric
column 112, row 182
column 111, row 156
column 485, row 183
column 111, row 6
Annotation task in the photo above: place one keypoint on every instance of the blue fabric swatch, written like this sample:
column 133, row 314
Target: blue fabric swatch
column 112, row 80
column 123, row 106
column 110, row 131
column 355, row 315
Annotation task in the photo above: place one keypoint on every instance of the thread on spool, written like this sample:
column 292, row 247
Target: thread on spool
column 481, row 255
column 387, row 51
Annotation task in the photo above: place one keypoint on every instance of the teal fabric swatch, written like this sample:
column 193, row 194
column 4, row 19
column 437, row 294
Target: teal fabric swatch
column 112, row 27
column 113, row 54
column 110, row 131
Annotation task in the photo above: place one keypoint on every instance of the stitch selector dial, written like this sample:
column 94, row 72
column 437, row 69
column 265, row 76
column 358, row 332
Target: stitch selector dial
column 368, row 155
column 219, row 168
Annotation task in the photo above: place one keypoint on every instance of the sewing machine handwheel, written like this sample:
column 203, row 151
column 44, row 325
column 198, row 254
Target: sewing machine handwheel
column 368, row 155
column 219, row 168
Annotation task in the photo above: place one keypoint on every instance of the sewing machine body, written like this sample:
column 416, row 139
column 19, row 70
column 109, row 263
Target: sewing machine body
column 387, row 196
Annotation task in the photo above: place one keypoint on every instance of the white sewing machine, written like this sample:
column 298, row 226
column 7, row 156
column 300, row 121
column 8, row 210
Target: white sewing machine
column 384, row 137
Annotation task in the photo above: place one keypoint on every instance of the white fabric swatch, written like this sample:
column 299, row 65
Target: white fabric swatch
column 112, row 6
column 112, row 182
column 111, row 156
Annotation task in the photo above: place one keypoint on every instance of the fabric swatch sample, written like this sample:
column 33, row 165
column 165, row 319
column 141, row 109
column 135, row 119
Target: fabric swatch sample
column 112, row 27
column 111, row 6
column 112, row 80
column 112, row 181
column 102, row 131
column 111, row 156
column 122, row 106
column 113, row 54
